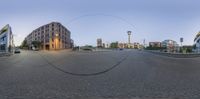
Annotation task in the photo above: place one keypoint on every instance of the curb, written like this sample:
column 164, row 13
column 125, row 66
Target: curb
column 176, row 55
column 5, row 54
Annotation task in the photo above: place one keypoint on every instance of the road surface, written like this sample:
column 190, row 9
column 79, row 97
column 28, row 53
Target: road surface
column 127, row 74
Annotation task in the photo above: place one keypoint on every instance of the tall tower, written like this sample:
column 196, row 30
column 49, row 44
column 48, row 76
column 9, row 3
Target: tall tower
column 129, row 38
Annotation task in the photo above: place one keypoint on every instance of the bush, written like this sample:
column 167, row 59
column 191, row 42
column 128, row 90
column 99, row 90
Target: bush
column 155, row 48
column 188, row 50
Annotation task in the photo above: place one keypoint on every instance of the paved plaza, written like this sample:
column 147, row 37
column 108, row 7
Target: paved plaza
column 128, row 74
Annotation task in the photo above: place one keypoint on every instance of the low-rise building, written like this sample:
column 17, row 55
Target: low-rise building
column 136, row 45
column 155, row 44
column 122, row 45
column 107, row 45
column 170, row 45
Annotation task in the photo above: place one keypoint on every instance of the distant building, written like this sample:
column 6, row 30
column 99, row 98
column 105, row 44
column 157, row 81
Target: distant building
column 107, row 45
column 52, row 36
column 99, row 43
column 131, row 45
column 6, row 39
column 136, row 45
column 170, row 45
column 122, row 45
column 155, row 44
column 197, row 43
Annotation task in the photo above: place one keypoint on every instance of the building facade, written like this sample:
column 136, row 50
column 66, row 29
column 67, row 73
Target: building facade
column 99, row 43
column 170, row 45
column 107, row 45
column 197, row 43
column 51, row 36
column 6, row 39
column 155, row 44
column 134, row 45
column 122, row 45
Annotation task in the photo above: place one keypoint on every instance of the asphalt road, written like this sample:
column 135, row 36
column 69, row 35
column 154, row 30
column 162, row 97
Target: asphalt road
column 98, row 75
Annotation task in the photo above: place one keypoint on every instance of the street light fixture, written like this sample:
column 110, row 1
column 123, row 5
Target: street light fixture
column 56, row 34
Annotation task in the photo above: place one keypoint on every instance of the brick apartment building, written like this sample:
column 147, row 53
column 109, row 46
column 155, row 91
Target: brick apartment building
column 52, row 36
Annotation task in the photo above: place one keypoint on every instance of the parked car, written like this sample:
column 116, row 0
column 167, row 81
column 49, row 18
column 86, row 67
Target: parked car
column 35, row 49
column 121, row 49
column 17, row 50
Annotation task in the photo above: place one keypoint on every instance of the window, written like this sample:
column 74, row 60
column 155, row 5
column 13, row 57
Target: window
column 52, row 33
column 47, row 35
column 3, row 39
column 47, row 40
column 198, row 41
column 47, row 26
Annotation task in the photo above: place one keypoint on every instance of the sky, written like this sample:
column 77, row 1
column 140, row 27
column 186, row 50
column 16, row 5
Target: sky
column 152, row 20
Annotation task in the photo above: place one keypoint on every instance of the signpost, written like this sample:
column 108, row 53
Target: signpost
column 181, row 40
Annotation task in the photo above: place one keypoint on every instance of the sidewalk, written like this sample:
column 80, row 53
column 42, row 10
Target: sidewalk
column 5, row 54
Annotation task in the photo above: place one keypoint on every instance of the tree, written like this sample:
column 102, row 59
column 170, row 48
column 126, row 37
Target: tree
column 189, row 50
column 36, row 44
column 155, row 48
column 24, row 44
column 114, row 45
column 90, row 46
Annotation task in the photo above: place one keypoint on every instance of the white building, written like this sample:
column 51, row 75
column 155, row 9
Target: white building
column 99, row 43
column 170, row 45
column 6, row 39
column 197, row 43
